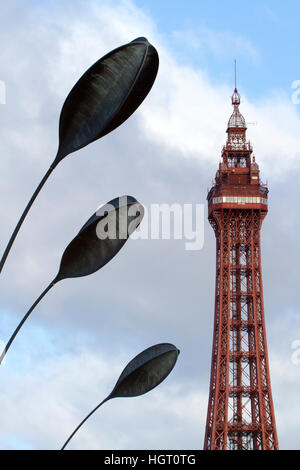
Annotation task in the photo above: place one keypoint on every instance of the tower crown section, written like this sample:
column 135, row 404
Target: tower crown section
column 236, row 120
column 237, row 182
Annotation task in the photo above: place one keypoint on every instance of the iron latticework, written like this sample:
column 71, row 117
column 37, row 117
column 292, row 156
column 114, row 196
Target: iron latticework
column 240, row 410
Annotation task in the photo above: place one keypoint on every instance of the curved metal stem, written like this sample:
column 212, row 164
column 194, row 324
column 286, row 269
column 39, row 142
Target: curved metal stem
column 82, row 422
column 23, row 321
column 18, row 226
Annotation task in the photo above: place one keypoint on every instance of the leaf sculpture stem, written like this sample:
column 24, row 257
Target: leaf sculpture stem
column 23, row 321
column 82, row 422
column 19, row 224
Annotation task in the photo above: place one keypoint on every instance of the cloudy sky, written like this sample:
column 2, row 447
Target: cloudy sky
column 74, row 346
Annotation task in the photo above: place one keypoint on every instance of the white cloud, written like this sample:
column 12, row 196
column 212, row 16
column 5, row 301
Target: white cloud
column 285, row 378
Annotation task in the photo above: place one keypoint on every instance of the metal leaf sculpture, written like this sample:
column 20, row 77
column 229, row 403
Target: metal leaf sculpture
column 147, row 370
column 106, row 95
column 99, row 240
column 102, row 99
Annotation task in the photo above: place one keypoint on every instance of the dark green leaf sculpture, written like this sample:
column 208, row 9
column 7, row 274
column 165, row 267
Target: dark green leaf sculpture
column 102, row 99
column 106, row 95
column 147, row 370
column 99, row 240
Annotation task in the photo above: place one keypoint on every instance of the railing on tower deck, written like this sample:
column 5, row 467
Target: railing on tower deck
column 246, row 146
column 230, row 190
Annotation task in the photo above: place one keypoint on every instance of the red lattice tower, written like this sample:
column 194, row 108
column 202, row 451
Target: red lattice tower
column 240, row 409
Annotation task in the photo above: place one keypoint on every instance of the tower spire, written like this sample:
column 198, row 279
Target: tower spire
column 235, row 99
column 236, row 128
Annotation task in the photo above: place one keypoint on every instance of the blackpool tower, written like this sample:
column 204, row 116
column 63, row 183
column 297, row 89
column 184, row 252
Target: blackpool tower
column 240, row 412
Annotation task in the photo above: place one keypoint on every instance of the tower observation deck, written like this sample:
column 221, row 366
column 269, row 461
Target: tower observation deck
column 240, row 409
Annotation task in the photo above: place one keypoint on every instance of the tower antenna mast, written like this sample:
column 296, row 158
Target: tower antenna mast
column 235, row 74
